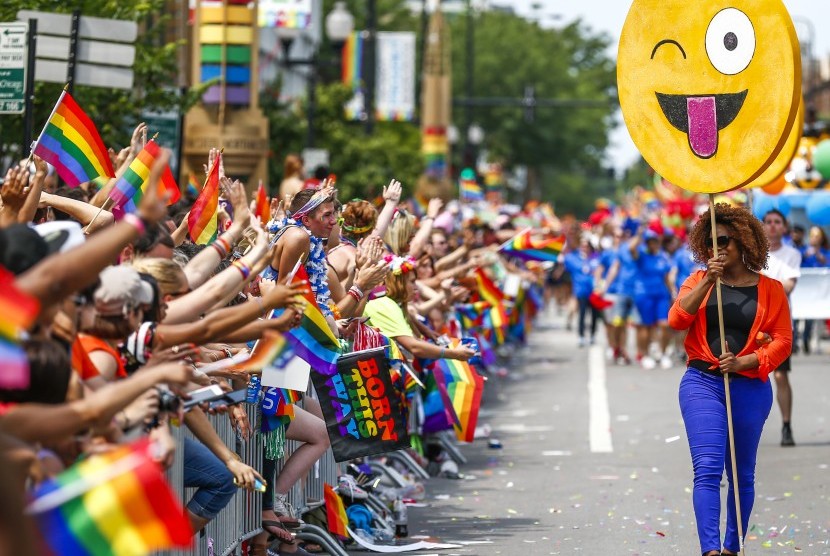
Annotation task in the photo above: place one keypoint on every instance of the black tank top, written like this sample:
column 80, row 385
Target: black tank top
column 740, row 304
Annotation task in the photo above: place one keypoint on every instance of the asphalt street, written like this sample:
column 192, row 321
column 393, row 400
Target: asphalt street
column 595, row 461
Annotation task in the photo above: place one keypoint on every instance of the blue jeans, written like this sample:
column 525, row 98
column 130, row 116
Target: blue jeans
column 203, row 470
column 703, row 405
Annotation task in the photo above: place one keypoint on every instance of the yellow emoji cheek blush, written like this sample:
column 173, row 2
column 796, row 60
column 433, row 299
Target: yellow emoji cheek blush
column 709, row 90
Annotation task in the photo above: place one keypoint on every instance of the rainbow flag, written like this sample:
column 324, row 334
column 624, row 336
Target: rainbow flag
column 469, row 188
column 193, row 186
column 131, row 186
column 461, row 387
column 263, row 205
column 313, row 340
column 18, row 312
column 202, row 222
column 70, row 142
column 335, row 512
column 488, row 290
column 528, row 249
column 351, row 73
column 272, row 350
column 278, row 408
column 115, row 504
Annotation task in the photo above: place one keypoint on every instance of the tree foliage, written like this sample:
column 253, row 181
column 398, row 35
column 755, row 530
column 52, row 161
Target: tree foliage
column 564, row 148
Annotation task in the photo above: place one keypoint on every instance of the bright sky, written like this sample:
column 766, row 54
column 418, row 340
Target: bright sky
column 609, row 15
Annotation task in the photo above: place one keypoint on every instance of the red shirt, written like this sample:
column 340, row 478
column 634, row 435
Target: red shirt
column 772, row 317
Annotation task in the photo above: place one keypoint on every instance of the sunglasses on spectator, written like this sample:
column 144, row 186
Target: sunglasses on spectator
column 723, row 241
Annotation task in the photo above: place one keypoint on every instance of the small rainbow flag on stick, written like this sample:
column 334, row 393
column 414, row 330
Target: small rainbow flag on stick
column 469, row 187
column 272, row 350
column 131, row 186
column 313, row 340
column 463, row 387
column 203, row 222
column 70, row 142
column 335, row 512
column 524, row 247
column 487, row 289
column 116, row 504
column 263, row 204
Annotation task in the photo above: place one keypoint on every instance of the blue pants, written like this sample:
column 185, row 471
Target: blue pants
column 703, row 405
column 210, row 476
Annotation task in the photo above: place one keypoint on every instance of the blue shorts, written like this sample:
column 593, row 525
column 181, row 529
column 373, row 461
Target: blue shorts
column 621, row 311
column 652, row 308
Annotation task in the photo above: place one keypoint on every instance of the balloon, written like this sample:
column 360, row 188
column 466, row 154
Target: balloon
column 762, row 204
column 776, row 186
column 818, row 209
column 821, row 159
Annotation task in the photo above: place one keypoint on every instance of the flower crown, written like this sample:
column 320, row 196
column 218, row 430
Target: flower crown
column 399, row 265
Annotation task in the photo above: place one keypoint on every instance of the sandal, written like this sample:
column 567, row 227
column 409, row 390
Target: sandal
column 277, row 531
column 312, row 547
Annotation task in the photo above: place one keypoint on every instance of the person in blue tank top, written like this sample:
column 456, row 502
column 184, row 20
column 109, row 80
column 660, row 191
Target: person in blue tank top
column 581, row 266
column 653, row 293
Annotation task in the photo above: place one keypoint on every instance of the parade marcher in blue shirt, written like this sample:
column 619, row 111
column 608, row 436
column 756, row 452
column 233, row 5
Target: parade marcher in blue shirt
column 653, row 294
column 617, row 270
column 581, row 266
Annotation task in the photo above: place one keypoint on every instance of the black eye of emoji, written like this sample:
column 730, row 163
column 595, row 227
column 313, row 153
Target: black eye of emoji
column 730, row 41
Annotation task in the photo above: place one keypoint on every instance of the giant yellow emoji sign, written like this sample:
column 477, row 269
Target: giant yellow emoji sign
column 709, row 89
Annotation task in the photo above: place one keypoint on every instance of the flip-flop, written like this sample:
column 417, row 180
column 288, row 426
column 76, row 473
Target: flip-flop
column 277, row 531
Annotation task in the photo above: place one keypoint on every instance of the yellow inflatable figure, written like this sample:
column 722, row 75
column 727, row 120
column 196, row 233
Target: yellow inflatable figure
column 710, row 89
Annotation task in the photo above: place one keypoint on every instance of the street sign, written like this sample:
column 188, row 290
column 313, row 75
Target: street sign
column 13, row 41
column 103, row 55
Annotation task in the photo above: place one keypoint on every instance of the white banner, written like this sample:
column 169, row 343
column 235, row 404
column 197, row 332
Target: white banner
column 810, row 299
column 395, row 87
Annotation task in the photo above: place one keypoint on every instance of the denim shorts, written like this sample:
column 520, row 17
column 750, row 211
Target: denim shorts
column 214, row 483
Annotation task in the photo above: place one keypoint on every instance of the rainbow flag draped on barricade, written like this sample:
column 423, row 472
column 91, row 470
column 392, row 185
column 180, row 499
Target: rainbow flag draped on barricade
column 525, row 247
column 18, row 312
column 132, row 185
column 336, row 519
column 70, row 142
column 114, row 504
column 461, row 388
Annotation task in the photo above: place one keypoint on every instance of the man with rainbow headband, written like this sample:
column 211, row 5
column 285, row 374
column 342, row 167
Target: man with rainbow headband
column 299, row 236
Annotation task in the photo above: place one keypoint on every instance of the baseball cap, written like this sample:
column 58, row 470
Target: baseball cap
column 650, row 234
column 121, row 289
column 23, row 246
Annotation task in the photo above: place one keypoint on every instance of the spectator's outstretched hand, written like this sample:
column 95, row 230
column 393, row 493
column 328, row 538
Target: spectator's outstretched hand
column 392, row 192
column 15, row 188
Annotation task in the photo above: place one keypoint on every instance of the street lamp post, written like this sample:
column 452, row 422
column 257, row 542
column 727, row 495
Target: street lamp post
column 339, row 26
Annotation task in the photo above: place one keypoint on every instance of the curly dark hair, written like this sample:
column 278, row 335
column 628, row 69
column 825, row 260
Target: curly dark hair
column 746, row 231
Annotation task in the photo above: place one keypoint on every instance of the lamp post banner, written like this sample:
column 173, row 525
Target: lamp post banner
column 395, row 90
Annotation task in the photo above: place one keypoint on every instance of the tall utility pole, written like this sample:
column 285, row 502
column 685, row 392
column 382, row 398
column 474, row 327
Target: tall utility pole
column 371, row 57
column 469, row 85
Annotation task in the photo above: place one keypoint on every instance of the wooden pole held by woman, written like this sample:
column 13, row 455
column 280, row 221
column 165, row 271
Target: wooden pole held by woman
column 722, row 332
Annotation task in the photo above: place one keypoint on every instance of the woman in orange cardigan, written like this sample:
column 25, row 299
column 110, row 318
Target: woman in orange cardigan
column 758, row 334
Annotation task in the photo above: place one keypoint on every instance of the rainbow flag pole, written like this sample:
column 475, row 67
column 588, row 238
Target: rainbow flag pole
column 42, row 131
column 512, row 239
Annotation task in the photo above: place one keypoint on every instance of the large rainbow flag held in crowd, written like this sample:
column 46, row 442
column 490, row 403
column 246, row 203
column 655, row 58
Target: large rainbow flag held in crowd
column 524, row 247
column 131, row 186
column 203, row 220
column 70, row 142
column 313, row 340
column 115, row 504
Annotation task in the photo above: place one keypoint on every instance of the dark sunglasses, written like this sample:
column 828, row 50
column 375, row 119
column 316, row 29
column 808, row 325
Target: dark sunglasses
column 723, row 241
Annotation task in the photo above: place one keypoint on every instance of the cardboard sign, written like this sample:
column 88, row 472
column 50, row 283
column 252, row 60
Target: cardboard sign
column 709, row 90
column 363, row 411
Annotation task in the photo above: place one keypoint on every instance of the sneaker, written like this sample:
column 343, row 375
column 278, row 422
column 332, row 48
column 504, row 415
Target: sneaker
column 787, row 435
column 648, row 363
column 665, row 362
column 581, row 342
column 285, row 511
column 593, row 341
column 348, row 488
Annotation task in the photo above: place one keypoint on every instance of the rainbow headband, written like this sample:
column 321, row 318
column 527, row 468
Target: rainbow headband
column 316, row 200
column 399, row 265
column 355, row 230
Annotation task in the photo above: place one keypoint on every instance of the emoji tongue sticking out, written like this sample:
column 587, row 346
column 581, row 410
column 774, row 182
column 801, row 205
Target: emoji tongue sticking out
column 703, row 125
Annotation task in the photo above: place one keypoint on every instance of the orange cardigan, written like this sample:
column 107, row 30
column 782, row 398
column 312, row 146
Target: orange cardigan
column 773, row 317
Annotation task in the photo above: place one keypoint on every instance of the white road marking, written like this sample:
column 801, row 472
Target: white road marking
column 599, row 422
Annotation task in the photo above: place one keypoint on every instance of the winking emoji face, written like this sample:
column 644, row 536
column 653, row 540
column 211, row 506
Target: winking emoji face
column 709, row 90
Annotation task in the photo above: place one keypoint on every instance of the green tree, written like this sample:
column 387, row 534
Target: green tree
column 563, row 148
column 114, row 111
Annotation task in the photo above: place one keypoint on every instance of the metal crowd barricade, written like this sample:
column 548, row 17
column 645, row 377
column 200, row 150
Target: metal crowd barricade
column 240, row 520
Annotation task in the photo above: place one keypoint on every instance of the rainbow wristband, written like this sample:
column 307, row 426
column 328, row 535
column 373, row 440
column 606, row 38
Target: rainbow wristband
column 243, row 268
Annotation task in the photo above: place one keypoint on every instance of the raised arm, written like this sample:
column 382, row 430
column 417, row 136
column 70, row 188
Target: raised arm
column 79, row 210
column 419, row 242
column 391, row 196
